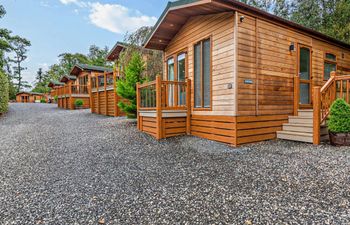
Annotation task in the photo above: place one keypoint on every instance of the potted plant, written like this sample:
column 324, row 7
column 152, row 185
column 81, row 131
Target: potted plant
column 42, row 100
column 339, row 123
column 79, row 104
column 56, row 98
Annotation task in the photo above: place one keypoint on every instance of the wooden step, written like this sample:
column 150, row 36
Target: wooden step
column 295, row 136
column 296, row 127
column 300, row 120
column 306, row 112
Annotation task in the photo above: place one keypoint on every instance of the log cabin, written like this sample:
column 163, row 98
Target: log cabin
column 76, row 86
column 238, row 75
column 103, row 96
column 54, row 85
column 29, row 97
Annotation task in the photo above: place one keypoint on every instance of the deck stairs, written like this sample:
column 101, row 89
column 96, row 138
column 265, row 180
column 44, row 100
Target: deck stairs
column 300, row 128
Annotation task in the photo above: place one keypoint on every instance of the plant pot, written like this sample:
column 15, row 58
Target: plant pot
column 79, row 107
column 339, row 139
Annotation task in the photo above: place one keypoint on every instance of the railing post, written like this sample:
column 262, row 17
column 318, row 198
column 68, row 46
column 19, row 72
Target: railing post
column 116, row 100
column 188, row 105
column 97, row 94
column 158, row 107
column 316, row 115
column 70, row 96
column 296, row 95
column 334, row 91
column 105, row 87
column 138, row 99
column 90, row 92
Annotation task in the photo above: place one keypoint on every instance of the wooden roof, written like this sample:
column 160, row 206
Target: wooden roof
column 67, row 78
column 54, row 83
column 78, row 68
column 30, row 93
column 177, row 13
column 113, row 55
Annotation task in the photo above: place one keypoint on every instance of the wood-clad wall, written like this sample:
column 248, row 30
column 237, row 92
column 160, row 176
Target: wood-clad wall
column 170, row 127
column 99, row 102
column 265, row 60
column 220, row 27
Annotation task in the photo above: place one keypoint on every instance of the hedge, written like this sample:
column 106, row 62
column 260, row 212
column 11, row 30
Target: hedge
column 4, row 93
column 339, row 119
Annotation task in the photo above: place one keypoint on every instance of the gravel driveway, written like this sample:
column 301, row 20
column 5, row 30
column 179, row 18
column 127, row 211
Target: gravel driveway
column 74, row 167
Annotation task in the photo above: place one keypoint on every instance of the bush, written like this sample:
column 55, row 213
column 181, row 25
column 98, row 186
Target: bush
column 4, row 93
column 56, row 98
column 43, row 100
column 339, row 120
column 79, row 102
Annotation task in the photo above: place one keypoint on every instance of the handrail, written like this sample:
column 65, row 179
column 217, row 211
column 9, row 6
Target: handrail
column 324, row 97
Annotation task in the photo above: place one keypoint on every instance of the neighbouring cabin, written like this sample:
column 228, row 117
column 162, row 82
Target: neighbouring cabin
column 77, row 85
column 54, row 85
column 29, row 97
column 103, row 96
column 236, row 74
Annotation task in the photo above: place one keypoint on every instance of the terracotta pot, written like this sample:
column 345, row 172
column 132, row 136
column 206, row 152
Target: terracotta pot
column 79, row 107
column 339, row 139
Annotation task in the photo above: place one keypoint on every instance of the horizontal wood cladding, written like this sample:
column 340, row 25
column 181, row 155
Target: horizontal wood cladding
column 252, row 129
column 86, row 101
column 220, row 28
column 148, row 125
column 173, row 127
column 216, row 128
column 266, row 68
column 106, row 103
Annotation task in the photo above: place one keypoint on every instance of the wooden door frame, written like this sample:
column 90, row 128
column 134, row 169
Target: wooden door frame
column 304, row 106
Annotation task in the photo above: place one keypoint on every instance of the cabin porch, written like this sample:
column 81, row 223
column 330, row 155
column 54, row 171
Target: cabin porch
column 164, row 108
column 69, row 93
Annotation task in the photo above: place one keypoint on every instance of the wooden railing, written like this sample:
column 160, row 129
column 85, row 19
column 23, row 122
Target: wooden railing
column 168, row 95
column 72, row 89
column 323, row 98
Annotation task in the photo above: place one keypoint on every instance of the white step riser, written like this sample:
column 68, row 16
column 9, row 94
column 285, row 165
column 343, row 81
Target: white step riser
column 300, row 121
column 294, row 137
column 297, row 128
column 307, row 114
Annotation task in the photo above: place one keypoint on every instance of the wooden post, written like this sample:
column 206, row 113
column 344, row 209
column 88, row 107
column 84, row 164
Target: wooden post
column 97, row 95
column 105, row 87
column 70, row 102
column 296, row 95
column 334, row 92
column 317, row 115
column 116, row 100
column 188, row 105
column 90, row 93
column 138, row 97
column 158, row 108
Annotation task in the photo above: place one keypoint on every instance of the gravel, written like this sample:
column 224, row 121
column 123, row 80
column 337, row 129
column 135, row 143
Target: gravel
column 74, row 167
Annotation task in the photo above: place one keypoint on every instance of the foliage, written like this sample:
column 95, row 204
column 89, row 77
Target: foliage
column 339, row 121
column 154, row 61
column 4, row 93
column 97, row 56
column 55, row 98
column 42, row 100
column 78, row 102
column 126, row 86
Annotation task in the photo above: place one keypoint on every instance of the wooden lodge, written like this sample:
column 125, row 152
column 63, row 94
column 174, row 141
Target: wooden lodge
column 76, row 86
column 103, row 96
column 54, row 85
column 236, row 74
column 29, row 97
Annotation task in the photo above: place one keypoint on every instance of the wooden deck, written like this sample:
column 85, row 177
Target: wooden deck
column 67, row 95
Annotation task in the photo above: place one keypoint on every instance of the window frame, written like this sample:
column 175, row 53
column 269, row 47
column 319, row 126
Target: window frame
column 329, row 61
column 202, row 108
column 174, row 55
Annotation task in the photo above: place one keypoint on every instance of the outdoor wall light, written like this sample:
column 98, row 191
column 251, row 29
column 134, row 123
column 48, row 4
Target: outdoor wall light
column 292, row 47
column 241, row 19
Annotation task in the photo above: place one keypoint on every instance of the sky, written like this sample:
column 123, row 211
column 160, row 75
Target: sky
column 59, row 26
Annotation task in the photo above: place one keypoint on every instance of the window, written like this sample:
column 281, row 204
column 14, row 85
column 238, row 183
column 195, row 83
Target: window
column 202, row 74
column 330, row 64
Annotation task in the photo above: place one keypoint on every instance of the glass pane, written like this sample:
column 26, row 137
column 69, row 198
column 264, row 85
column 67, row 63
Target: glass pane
column 171, row 77
column 304, row 64
column 304, row 93
column 171, row 69
column 331, row 56
column 206, row 73
column 181, row 77
column 197, row 76
column 328, row 68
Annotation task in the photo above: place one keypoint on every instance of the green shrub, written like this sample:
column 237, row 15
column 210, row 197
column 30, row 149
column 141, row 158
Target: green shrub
column 79, row 102
column 4, row 93
column 56, row 98
column 339, row 120
column 43, row 100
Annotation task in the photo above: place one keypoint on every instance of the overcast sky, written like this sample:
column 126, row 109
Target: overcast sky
column 58, row 26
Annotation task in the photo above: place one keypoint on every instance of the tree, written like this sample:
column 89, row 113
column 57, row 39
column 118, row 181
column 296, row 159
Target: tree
column 68, row 60
column 154, row 58
column 39, row 75
column 4, row 93
column 97, row 56
column 19, row 45
column 126, row 86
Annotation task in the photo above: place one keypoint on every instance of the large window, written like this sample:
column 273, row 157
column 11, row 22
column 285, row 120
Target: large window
column 330, row 64
column 202, row 74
